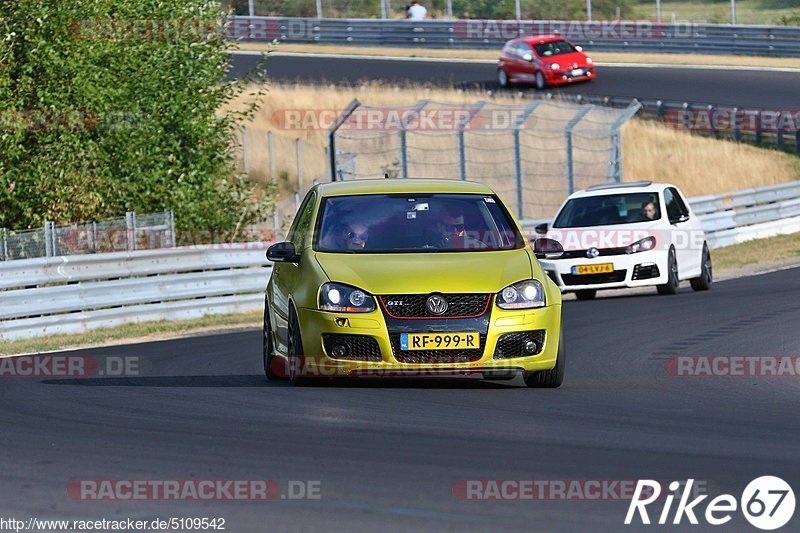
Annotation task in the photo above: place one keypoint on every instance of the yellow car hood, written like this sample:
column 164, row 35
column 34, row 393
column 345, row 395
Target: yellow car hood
column 419, row 273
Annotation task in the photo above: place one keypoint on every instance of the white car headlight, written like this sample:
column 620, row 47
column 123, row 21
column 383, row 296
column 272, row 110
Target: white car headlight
column 589, row 60
column 522, row 295
column 643, row 245
column 555, row 66
column 345, row 299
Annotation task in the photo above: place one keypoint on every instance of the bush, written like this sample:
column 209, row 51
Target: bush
column 790, row 20
column 102, row 116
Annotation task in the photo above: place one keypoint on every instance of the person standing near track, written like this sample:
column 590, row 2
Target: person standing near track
column 416, row 11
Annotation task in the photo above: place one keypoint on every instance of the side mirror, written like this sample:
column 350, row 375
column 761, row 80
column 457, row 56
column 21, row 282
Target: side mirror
column 547, row 249
column 579, row 48
column 283, row 252
column 683, row 217
column 541, row 229
column 527, row 57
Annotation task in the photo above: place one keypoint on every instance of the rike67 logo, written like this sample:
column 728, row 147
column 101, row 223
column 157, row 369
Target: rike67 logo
column 767, row 503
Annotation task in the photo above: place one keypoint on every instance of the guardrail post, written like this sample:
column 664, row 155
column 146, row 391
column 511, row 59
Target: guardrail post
column 737, row 131
column 462, row 149
column 518, row 156
column 403, row 144
column 270, row 155
column 299, row 151
column 4, row 237
column 244, row 149
column 797, row 141
column 779, row 130
column 251, row 8
column 48, row 239
column 568, row 134
column 130, row 223
column 615, row 164
column 349, row 110
column 758, row 127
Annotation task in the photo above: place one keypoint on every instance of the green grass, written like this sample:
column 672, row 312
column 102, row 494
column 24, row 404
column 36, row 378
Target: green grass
column 757, row 251
column 718, row 12
column 130, row 331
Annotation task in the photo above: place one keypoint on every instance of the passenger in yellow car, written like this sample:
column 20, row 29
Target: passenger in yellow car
column 351, row 236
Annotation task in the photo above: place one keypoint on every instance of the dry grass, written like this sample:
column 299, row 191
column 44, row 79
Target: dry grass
column 697, row 165
column 134, row 333
column 757, row 251
column 600, row 57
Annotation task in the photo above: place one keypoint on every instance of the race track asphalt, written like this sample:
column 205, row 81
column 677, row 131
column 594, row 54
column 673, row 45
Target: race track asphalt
column 743, row 88
column 387, row 454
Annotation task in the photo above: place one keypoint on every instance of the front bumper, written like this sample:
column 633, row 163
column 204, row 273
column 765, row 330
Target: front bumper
column 630, row 270
column 566, row 76
column 317, row 362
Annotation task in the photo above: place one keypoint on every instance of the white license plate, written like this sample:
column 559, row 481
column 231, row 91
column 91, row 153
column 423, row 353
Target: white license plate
column 577, row 72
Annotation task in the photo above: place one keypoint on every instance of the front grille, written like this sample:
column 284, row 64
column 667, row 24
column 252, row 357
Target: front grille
column 413, row 305
column 356, row 347
column 594, row 279
column 578, row 254
column 646, row 271
column 421, row 357
column 513, row 344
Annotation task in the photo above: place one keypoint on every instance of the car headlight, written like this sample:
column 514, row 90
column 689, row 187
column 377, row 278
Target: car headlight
column 644, row 245
column 345, row 299
column 522, row 295
column 589, row 60
column 555, row 66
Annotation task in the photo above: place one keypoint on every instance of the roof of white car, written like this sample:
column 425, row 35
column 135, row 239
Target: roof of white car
column 615, row 188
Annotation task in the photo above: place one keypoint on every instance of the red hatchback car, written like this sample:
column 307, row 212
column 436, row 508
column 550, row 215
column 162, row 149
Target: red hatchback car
column 543, row 60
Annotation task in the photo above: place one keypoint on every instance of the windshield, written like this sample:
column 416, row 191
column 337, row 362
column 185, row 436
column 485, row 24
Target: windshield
column 553, row 49
column 390, row 223
column 609, row 210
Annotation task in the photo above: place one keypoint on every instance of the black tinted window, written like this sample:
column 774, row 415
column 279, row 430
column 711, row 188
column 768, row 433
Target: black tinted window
column 609, row 209
column 553, row 49
column 384, row 223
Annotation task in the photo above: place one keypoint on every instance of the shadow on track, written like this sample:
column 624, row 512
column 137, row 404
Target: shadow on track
column 234, row 381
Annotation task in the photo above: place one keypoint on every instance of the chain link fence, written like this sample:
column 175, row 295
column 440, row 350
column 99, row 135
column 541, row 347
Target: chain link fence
column 131, row 232
column 532, row 154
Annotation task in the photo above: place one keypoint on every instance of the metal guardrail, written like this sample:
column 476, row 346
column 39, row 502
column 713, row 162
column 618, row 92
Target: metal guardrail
column 605, row 36
column 740, row 216
column 74, row 294
column 131, row 232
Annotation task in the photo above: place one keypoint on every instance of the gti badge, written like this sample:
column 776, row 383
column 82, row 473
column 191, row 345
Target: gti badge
column 592, row 253
column 436, row 304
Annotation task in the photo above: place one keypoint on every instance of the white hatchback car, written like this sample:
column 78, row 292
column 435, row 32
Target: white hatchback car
column 625, row 235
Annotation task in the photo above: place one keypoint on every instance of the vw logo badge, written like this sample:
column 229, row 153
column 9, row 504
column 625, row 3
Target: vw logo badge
column 436, row 304
column 592, row 253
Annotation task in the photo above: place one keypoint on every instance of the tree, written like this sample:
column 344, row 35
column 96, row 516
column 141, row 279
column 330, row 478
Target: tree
column 113, row 105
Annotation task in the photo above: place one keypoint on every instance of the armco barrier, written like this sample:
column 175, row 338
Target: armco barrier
column 606, row 36
column 744, row 215
column 73, row 294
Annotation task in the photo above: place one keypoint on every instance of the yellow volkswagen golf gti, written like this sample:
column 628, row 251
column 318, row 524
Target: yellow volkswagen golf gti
column 409, row 277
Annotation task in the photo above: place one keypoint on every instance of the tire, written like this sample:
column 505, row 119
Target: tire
column 587, row 294
column 671, row 286
column 268, row 348
column 502, row 78
column 539, row 82
column 549, row 379
column 703, row 283
column 295, row 350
